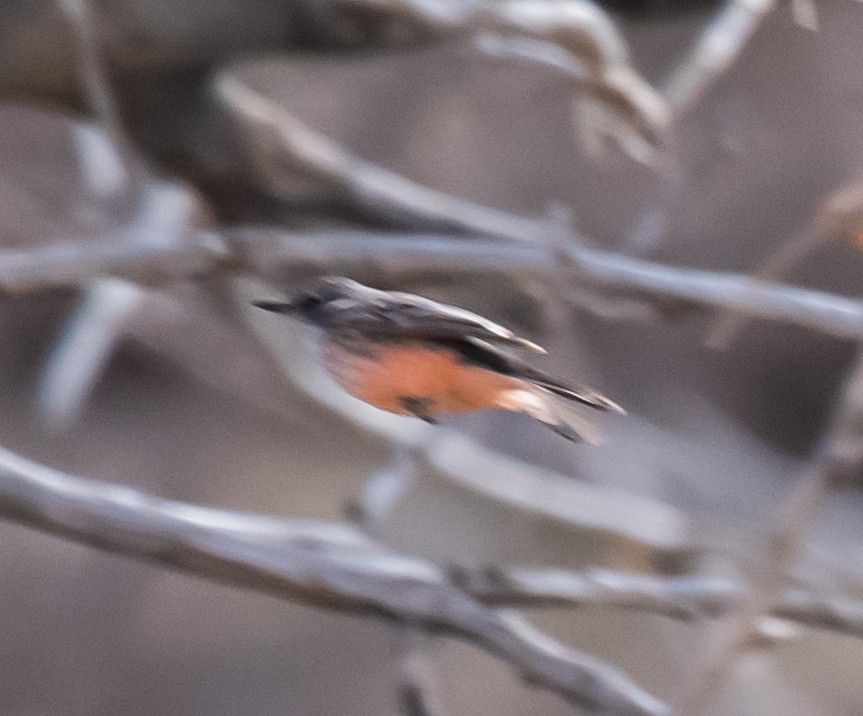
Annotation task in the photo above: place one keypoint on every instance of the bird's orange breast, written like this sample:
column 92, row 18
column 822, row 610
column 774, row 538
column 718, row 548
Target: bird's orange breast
column 388, row 375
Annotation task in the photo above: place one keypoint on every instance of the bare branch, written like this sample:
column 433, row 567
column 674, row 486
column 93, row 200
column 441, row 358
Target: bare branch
column 84, row 348
column 688, row 597
column 842, row 451
column 727, row 640
column 264, row 555
column 77, row 262
column 660, row 530
column 268, row 251
column 96, row 86
column 573, row 38
column 715, row 51
column 281, row 556
column 679, row 597
column 793, row 520
column 264, row 250
column 839, row 217
column 582, row 28
column 821, row 611
column 289, row 150
column 580, row 40
column 168, row 214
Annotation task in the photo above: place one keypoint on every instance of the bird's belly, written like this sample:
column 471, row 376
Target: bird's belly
column 395, row 377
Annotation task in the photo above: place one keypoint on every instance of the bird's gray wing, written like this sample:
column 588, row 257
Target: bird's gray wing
column 404, row 315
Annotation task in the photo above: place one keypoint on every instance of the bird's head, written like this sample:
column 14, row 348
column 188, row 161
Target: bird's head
column 313, row 303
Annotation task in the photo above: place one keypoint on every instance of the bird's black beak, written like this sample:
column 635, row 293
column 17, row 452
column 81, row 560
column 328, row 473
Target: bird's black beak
column 275, row 306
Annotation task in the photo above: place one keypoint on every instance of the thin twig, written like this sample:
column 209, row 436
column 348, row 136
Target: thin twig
column 791, row 523
column 715, row 51
column 418, row 691
column 839, row 217
column 727, row 639
column 795, row 517
column 385, row 486
column 632, row 102
column 842, row 450
column 94, row 80
column 217, row 545
column 688, row 597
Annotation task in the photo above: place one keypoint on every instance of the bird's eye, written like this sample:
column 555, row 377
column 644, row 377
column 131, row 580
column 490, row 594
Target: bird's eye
column 309, row 302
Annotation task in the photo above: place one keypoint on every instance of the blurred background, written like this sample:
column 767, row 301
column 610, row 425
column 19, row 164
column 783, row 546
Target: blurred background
column 134, row 124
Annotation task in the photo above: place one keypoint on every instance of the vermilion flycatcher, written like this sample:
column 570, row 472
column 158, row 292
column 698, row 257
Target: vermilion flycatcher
column 413, row 356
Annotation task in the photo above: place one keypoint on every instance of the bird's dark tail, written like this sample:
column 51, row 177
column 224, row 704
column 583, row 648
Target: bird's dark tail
column 580, row 394
column 482, row 354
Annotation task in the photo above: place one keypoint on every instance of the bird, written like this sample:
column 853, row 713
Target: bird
column 410, row 355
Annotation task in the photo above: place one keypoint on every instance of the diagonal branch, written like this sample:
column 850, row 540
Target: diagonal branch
column 351, row 575
column 716, row 49
column 288, row 151
column 795, row 517
column 94, row 79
